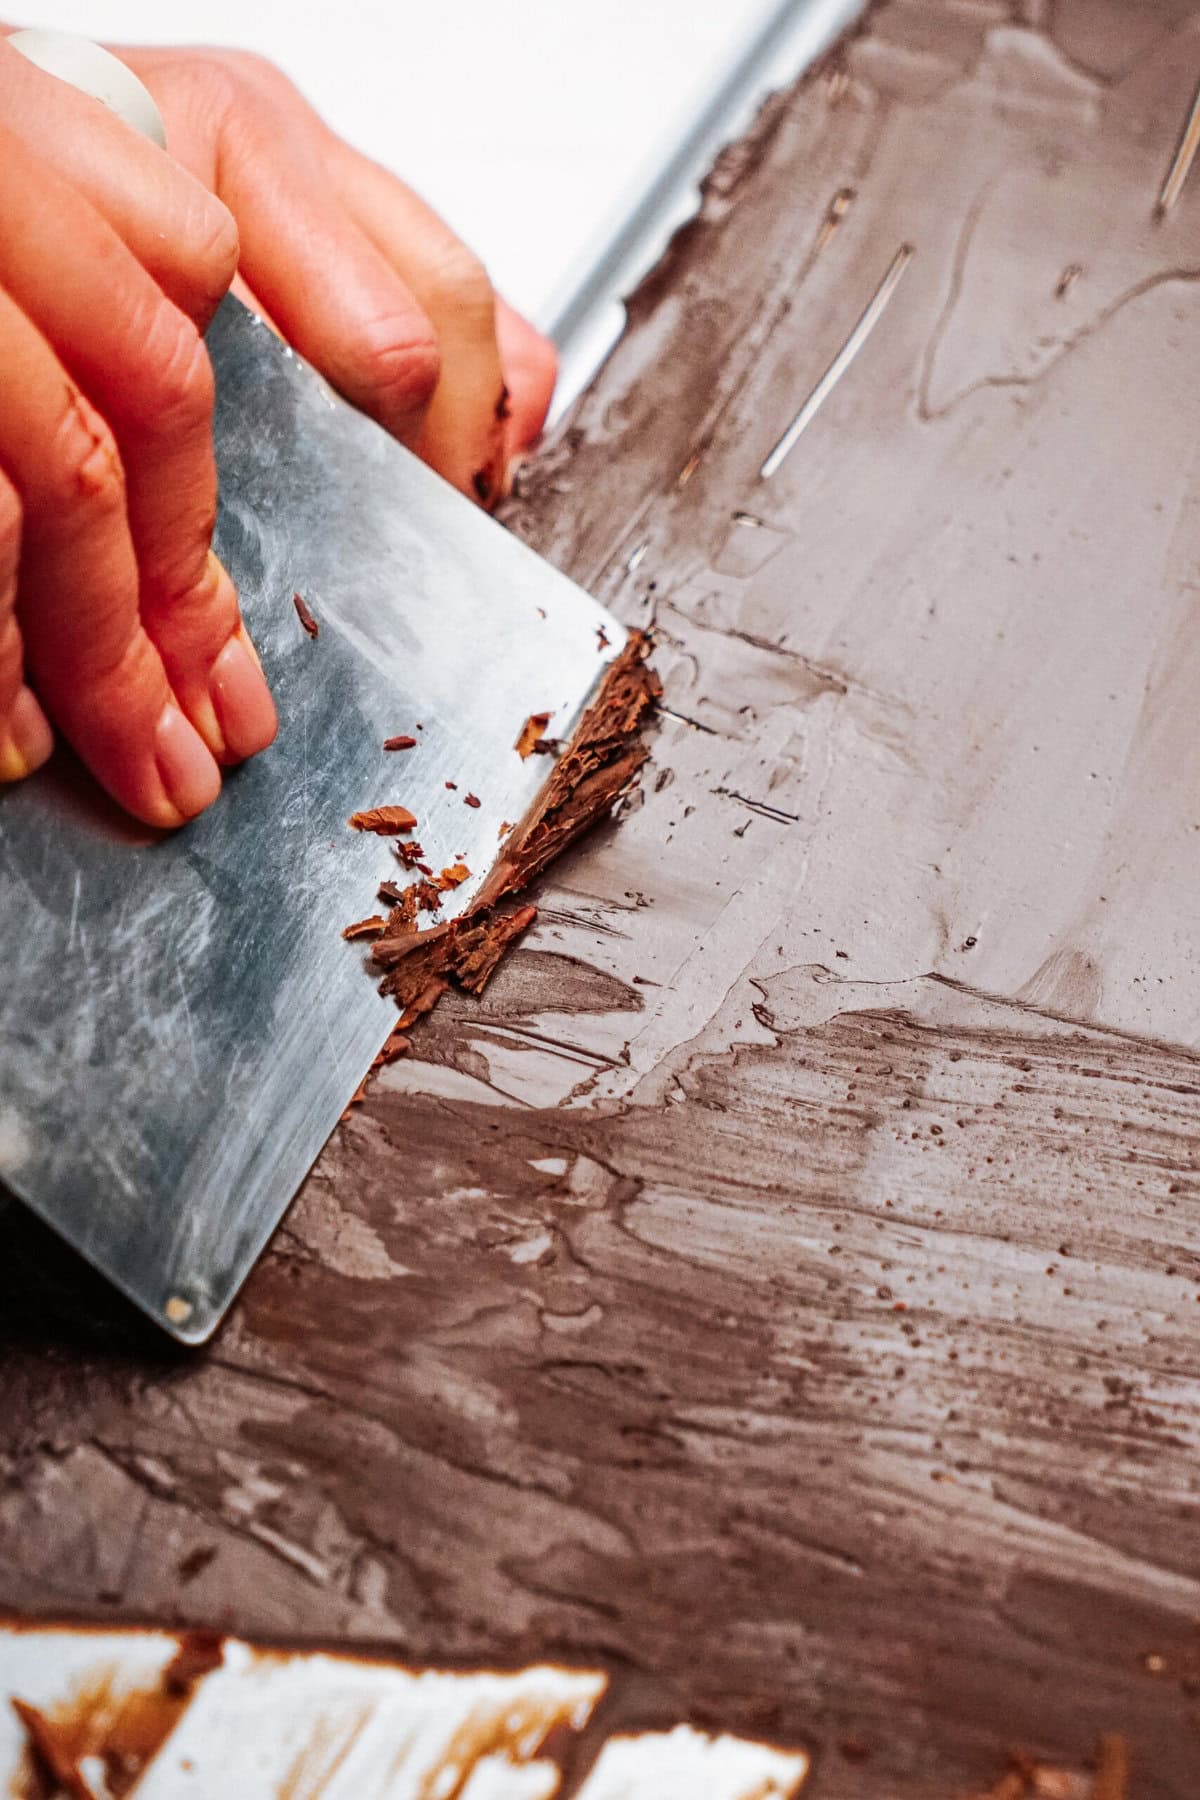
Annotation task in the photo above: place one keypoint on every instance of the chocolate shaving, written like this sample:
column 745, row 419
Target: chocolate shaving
column 388, row 891
column 453, row 786
column 305, row 617
column 384, row 821
column 466, row 951
column 531, row 731
column 364, row 928
column 472, row 800
column 54, row 1750
column 548, row 747
column 403, row 742
column 598, row 768
column 410, row 854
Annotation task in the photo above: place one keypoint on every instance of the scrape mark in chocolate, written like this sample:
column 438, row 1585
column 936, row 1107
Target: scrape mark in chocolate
column 1181, row 162
column 481, row 482
column 503, row 404
column 866, row 324
column 305, row 617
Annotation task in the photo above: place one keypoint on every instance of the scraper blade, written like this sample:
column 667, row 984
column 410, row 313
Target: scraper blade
column 181, row 1022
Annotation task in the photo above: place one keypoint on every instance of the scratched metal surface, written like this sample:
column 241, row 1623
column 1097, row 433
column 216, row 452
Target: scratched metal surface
column 183, row 1024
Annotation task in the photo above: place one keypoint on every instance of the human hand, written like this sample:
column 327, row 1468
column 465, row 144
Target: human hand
column 355, row 271
column 113, row 610
column 122, row 620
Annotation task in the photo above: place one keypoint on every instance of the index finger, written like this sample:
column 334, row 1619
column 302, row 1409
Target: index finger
column 183, row 235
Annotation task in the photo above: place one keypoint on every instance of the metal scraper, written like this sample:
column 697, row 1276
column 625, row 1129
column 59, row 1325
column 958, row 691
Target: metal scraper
column 181, row 1022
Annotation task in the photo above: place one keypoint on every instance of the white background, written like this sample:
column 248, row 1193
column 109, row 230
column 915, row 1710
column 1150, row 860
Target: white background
column 534, row 126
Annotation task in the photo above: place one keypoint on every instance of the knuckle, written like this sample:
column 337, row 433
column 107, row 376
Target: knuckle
column 176, row 375
column 458, row 281
column 86, row 468
column 399, row 366
column 258, row 71
column 211, row 248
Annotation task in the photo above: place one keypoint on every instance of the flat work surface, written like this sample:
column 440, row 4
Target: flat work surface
column 784, row 1288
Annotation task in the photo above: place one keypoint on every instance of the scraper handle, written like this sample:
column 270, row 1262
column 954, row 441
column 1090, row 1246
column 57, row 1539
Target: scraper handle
column 94, row 71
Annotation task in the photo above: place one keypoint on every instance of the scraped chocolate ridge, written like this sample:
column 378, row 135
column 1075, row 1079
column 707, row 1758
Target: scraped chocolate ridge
column 599, row 766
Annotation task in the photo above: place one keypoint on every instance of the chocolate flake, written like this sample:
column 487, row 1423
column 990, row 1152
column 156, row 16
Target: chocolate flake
column 454, row 876
column 364, row 928
column 531, row 732
column 453, row 786
column 410, row 854
column 472, row 800
column 403, row 742
column 305, row 617
column 384, row 821
column 388, row 891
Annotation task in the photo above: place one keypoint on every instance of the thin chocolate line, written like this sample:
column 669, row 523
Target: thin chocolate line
column 841, row 361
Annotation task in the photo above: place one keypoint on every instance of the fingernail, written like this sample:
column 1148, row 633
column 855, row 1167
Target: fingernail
column 185, row 763
column 241, row 698
column 28, row 740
